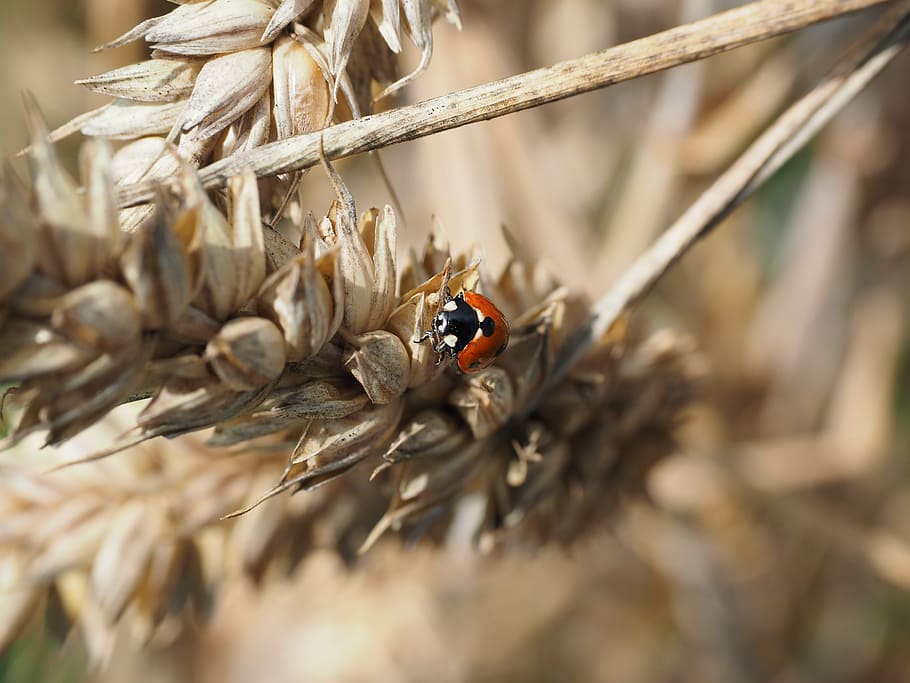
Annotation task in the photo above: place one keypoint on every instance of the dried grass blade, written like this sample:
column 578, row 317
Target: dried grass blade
column 766, row 155
column 721, row 32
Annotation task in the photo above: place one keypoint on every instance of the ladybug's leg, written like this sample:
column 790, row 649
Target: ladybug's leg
column 443, row 350
column 423, row 337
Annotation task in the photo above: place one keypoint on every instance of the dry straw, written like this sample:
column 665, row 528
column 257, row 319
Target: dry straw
column 300, row 353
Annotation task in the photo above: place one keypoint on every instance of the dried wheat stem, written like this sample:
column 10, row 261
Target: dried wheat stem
column 721, row 32
column 792, row 129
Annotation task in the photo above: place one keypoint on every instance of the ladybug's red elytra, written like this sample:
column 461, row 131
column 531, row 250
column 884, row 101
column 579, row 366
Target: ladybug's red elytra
column 470, row 329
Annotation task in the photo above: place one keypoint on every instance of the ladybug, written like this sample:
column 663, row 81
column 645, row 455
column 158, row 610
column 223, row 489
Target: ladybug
column 470, row 329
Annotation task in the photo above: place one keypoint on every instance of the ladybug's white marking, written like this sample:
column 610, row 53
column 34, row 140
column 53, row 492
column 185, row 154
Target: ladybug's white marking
column 450, row 306
column 450, row 340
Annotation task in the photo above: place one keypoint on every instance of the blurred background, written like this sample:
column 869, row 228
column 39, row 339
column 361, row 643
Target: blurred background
column 775, row 544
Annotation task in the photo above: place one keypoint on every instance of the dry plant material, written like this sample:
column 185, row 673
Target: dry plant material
column 230, row 75
column 787, row 134
column 303, row 357
column 755, row 21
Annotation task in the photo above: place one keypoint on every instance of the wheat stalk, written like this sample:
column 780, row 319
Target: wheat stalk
column 753, row 22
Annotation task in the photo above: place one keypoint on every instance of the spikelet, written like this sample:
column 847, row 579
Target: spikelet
column 228, row 75
column 303, row 358
column 136, row 543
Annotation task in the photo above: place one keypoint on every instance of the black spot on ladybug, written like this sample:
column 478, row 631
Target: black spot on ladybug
column 488, row 327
